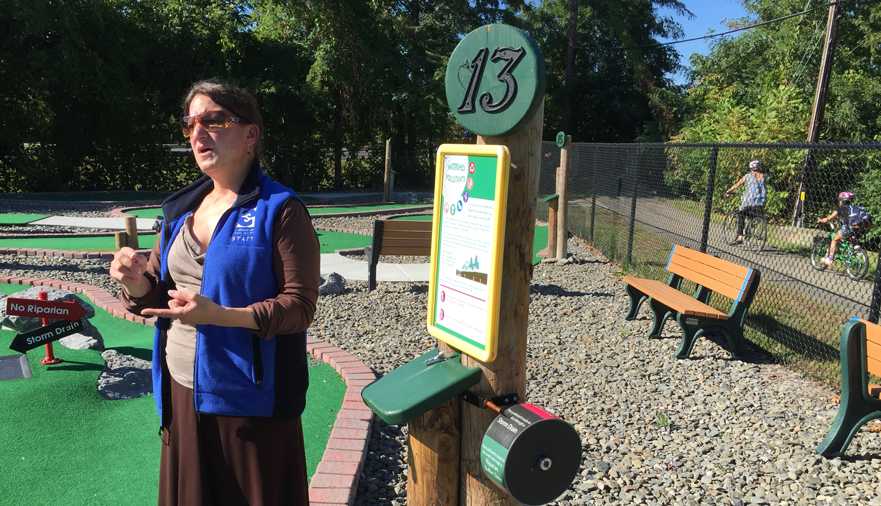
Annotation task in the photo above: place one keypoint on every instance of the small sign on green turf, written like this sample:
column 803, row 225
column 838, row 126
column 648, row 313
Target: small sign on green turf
column 44, row 335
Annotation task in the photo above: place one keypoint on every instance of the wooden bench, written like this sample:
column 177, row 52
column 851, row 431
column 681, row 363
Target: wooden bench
column 396, row 237
column 860, row 351
column 696, row 318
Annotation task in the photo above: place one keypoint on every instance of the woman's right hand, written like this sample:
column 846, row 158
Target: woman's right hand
column 128, row 268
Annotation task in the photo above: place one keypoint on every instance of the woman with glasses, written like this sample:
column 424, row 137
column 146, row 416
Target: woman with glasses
column 233, row 282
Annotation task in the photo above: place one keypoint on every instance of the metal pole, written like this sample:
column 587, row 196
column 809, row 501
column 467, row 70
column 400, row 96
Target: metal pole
column 708, row 207
column 875, row 305
column 631, row 227
column 593, row 192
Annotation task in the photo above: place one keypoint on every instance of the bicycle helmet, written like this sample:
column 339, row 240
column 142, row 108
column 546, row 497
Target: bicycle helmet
column 755, row 165
column 846, row 196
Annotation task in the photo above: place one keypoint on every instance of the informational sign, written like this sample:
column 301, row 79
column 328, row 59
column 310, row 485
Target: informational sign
column 53, row 310
column 470, row 197
column 44, row 335
column 494, row 79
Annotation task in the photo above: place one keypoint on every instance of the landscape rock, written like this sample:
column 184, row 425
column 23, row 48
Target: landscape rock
column 332, row 285
column 124, row 377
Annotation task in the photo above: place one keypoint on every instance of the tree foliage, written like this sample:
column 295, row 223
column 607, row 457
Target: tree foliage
column 759, row 87
column 91, row 89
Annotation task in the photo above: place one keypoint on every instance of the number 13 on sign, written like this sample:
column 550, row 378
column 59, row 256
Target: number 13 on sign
column 488, row 105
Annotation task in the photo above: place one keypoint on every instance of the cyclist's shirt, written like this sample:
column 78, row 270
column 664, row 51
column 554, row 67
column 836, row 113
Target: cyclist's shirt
column 851, row 215
column 754, row 193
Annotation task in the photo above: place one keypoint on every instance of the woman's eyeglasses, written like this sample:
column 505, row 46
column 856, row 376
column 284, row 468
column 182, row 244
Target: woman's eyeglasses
column 212, row 121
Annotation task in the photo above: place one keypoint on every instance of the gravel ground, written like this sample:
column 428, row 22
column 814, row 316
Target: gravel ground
column 655, row 430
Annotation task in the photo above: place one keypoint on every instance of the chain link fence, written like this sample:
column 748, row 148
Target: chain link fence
column 634, row 201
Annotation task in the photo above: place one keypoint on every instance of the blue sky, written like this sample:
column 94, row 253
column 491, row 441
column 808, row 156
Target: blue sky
column 710, row 16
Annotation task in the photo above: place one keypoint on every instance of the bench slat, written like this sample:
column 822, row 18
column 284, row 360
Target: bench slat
column 705, row 280
column 396, row 225
column 873, row 365
column 873, row 332
column 720, row 276
column 674, row 299
column 726, row 278
column 715, row 262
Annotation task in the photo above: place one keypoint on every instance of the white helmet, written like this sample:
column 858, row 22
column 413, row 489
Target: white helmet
column 755, row 165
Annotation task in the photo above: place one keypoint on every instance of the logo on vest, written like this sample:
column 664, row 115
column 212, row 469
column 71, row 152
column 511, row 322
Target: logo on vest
column 244, row 229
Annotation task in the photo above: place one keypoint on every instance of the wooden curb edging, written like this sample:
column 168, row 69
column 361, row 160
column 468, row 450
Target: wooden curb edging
column 335, row 481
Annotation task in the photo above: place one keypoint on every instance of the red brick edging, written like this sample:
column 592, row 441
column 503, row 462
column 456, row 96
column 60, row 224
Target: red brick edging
column 335, row 481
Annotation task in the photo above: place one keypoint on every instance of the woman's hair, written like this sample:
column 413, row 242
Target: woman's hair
column 234, row 99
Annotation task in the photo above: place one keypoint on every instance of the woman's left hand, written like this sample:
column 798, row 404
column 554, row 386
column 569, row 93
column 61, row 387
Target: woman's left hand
column 188, row 307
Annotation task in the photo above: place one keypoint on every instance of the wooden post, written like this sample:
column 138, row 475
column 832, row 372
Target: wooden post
column 507, row 374
column 433, row 445
column 563, row 197
column 131, row 230
column 121, row 239
column 551, row 249
column 387, row 177
column 819, row 106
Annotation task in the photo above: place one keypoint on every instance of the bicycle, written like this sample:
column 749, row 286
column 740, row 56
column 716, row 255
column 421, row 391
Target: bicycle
column 755, row 230
column 851, row 255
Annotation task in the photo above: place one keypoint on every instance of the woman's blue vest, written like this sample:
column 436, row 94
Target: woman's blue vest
column 234, row 369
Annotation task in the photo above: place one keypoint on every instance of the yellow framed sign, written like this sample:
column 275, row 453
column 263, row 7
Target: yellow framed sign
column 468, row 238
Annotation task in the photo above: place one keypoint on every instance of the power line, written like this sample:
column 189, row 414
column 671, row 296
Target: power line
column 756, row 25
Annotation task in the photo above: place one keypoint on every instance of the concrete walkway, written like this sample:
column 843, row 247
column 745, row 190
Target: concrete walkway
column 144, row 224
column 356, row 270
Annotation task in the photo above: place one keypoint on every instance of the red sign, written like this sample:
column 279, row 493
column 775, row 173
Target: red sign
column 52, row 310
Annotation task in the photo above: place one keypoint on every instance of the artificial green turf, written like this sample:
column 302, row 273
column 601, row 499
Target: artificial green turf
column 19, row 218
column 63, row 444
column 323, row 211
column 333, row 241
column 73, row 243
column 153, row 212
column 330, row 242
column 539, row 242
column 149, row 212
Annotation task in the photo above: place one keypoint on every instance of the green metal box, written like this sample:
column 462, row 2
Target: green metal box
column 418, row 386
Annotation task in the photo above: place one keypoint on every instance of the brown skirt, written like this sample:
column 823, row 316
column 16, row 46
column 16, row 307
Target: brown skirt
column 230, row 460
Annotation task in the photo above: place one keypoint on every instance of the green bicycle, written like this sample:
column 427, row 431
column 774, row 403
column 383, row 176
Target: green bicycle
column 850, row 255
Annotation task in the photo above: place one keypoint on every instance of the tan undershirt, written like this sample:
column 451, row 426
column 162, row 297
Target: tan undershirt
column 186, row 261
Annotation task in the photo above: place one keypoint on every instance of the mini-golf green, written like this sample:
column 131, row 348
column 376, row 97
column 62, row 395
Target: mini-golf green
column 152, row 212
column 64, row 444
column 539, row 241
column 19, row 218
column 329, row 241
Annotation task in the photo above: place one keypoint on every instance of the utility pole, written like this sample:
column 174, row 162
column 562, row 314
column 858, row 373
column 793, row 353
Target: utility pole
column 819, row 106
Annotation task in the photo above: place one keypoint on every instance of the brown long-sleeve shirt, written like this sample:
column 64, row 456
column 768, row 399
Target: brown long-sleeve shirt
column 296, row 263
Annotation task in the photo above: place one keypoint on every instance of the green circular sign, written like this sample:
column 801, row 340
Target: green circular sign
column 494, row 79
column 561, row 139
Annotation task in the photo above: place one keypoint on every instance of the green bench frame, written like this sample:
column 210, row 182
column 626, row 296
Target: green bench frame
column 695, row 317
column 860, row 351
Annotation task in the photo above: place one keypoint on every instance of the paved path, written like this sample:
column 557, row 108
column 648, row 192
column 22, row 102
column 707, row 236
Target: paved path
column 356, row 270
column 144, row 224
column 779, row 266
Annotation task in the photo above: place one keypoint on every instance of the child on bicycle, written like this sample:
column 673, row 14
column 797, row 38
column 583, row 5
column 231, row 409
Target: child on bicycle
column 752, row 202
column 853, row 219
